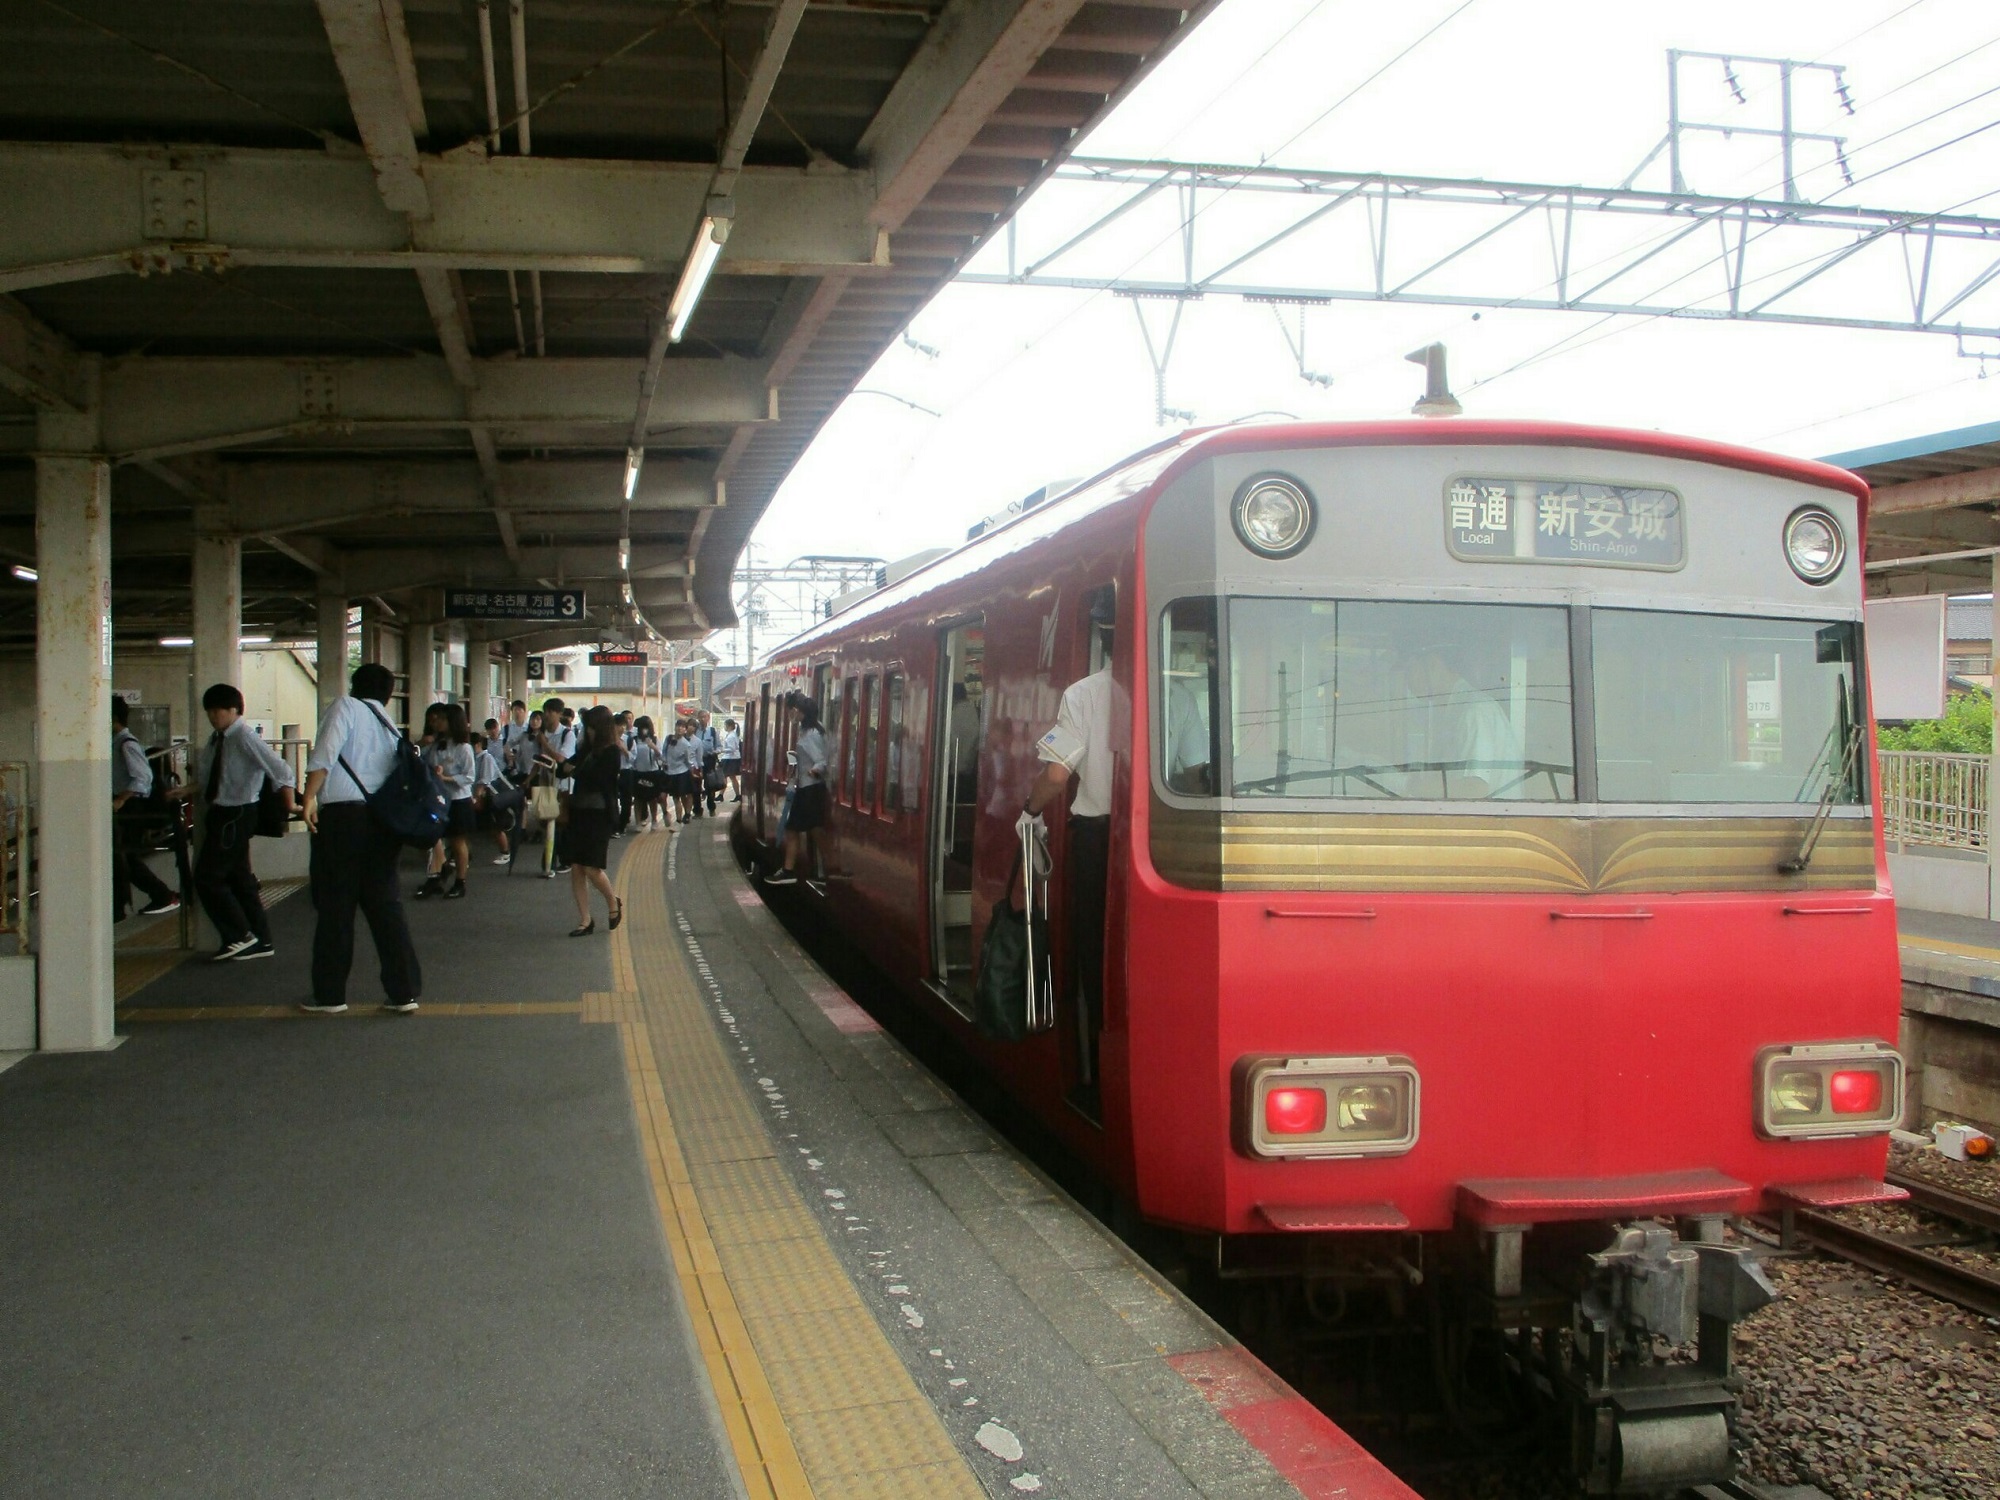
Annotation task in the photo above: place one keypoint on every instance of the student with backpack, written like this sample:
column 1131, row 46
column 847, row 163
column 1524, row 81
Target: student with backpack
column 358, row 780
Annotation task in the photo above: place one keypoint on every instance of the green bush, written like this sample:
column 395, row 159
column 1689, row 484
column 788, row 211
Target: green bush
column 1965, row 729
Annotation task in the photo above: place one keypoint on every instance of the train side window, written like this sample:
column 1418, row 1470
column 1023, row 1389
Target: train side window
column 847, row 768
column 862, row 746
column 1190, row 752
column 871, row 749
column 892, row 776
column 835, row 700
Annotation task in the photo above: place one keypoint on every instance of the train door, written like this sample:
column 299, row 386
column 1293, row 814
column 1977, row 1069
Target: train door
column 1080, row 911
column 757, row 761
column 958, row 732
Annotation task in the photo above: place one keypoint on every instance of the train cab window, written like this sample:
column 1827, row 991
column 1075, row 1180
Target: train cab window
column 1189, row 755
column 1360, row 698
column 1724, row 708
column 892, row 772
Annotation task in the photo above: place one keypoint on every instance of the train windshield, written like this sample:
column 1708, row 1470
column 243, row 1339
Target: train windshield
column 1725, row 708
column 1367, row 699
column 1371, row 700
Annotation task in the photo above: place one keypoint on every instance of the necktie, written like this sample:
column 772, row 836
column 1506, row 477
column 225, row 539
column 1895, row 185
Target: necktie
column 214, row 766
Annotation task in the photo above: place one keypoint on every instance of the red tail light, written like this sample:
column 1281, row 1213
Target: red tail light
column 1295, row 1111
column 1856, row 1091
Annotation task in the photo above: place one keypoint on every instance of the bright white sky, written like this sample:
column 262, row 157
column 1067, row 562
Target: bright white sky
column 1034, row 385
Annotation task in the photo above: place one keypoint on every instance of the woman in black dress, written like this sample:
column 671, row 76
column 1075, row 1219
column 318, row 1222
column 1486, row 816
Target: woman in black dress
column 593, row 810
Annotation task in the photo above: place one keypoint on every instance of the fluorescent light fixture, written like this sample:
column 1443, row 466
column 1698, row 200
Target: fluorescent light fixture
column 253, row 640
column 633, row 458
column 176, row 640
column 694, row 275
column 25, row 574
column 624, row 554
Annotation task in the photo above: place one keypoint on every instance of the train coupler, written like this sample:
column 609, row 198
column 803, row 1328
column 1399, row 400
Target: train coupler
column 1642, row 1422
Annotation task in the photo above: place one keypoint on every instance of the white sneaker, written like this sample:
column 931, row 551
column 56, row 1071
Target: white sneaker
column 229, row 950
column 504, row 859
column 322, row 1010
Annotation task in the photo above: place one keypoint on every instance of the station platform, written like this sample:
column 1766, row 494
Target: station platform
column 1951, row 1016
column 662, row 1212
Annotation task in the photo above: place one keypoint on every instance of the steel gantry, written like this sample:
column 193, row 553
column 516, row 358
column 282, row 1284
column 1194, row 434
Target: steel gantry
column 1289, row 235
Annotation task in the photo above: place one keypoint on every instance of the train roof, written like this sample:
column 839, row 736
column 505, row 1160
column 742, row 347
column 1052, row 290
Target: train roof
column 1151, row 467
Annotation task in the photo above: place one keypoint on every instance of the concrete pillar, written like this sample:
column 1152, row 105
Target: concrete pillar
column 332, row 632
column 218, row 618
column 72, row 729
column 419, row 655
column 371, row 630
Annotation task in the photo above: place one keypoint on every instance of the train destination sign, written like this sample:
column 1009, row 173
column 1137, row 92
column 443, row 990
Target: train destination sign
column 513, row 604
column 1563, row 521
column 618, row 658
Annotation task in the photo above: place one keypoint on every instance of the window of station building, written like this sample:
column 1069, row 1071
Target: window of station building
column 892, row 776
column 1726, row 708
column 1407, row 701
column 871, row 750
column 1190, row 757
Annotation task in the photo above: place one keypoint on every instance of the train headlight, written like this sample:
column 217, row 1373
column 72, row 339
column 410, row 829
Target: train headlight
column 1845, row 1088
column 1326, row 1106
column 1814, row 545
column 1274, row 515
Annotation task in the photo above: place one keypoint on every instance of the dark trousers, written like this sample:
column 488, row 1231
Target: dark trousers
column 129, row 840
column 223, row 877
column 1089, row 869
column 354, row 864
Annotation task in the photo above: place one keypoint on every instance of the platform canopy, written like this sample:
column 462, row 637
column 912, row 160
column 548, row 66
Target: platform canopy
column 385, row 288
column 1934, row 516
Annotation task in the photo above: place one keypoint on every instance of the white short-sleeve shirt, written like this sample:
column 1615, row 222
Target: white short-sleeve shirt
column 1081, row 742
column 358, row 731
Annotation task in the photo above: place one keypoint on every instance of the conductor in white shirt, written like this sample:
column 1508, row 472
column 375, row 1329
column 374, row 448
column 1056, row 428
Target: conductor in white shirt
column 1078, row 749
column 354, row 854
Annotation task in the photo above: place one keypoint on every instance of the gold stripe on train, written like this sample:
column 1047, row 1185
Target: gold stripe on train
column 1250, row 851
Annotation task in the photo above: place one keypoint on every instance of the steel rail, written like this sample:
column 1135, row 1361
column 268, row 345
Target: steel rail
column 1976, row 1291
column 1983, row 1212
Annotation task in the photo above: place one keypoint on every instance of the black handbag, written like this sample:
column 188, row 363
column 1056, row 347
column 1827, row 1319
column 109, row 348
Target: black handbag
column 274, row 819
column 1001, row 992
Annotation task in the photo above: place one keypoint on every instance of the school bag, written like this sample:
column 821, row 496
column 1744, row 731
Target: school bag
column 411, row 803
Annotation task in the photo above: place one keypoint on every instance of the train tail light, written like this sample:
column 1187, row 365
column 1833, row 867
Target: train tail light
column 1841, row 1089
column 1326, row 1106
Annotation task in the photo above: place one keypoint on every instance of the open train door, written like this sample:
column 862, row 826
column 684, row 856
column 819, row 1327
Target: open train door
column 958, row 733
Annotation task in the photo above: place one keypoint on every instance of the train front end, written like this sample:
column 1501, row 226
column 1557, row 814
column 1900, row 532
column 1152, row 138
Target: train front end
column 1508, row 904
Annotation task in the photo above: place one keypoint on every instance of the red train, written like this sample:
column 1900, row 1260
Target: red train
column 1496, row 883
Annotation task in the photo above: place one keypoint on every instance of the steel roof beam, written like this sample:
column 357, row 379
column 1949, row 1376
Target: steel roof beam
column 1976, row 487
column 38, row 364
column 977, row 53
column 81, row 212
column 380, row 80
column 158, row 407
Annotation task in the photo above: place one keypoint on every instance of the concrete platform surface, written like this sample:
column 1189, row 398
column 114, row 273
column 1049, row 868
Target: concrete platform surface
column 661, row 1212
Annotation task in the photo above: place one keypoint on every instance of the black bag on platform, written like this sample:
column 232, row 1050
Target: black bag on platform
column 1000, row 991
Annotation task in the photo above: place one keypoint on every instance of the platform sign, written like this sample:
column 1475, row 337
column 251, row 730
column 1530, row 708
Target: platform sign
column 1563, row 521
column 618, row 658
column 1906, row 656
column 538, row 669
column 558, row 605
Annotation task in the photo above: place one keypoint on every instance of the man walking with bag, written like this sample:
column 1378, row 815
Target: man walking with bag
column 354, row 852
column 231, row 771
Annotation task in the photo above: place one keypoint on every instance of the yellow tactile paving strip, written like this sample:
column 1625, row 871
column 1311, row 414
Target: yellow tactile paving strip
column 1943, row 945
column 815, row 1401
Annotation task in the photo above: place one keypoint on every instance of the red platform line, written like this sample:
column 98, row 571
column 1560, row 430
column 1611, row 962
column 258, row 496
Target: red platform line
column 1302, row 1443
column 846, row 1016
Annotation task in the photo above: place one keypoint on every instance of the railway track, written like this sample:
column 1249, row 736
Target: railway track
column 1977, row 1291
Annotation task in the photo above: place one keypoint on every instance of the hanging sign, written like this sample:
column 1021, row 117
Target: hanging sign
column 618, row 658
column 513, row 604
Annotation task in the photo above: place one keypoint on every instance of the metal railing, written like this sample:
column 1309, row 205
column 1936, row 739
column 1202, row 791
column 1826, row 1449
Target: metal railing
column 1934, row 799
